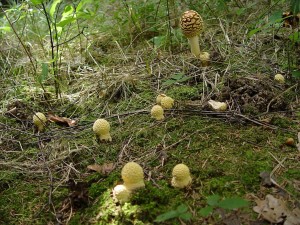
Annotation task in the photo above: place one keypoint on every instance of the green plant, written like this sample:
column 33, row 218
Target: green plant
column 180, row 212
column 215, row 201
column 176, row 78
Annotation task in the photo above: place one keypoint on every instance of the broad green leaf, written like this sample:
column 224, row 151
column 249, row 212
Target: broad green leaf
column 182, row 208
column 36, row 2
column 185, row 216
column 233, row 203
column 7, row 29
column 276, row 17
column 296, row 74
column 82, row 4
column 65, row 22
column 206, row 211
column 213, row 200
column 53, row 7
column 177, row 76
column 254, row 31
column 169, row 82
column 166, row 216
column 67, row 16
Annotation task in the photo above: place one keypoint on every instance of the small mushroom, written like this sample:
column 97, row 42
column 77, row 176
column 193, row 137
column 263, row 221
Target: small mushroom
column 191, row 24
column 121, row 194
column 167, row 102
column 217, row 106
column 39, row 120
column 101, row 128
column 133, row 176
column 159, row 98
column 157, row 112
column 279, row 78
column 181, row 176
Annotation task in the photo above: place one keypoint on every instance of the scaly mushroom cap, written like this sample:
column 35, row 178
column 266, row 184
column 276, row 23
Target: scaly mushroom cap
column 159, row 98
column 167, row 102
column 181, row 176
column 39, row 120
column 157, row 112
column 121, row 194
column 279, row 78
column 191, row 23
column 101, row 128
column 133, row 176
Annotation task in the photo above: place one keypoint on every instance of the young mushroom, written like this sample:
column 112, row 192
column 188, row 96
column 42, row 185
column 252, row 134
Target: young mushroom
column 181, row 176
column 101, row 128
column 157, row 112
column 279, row 78
column 39, row 120
column 121, row 193
column 217, row 106
column 191, row 24
column 167, row 102
column 159, row 98
column 133, row 176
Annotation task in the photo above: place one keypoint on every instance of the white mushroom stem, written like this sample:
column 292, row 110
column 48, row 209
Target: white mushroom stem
column 195, row 48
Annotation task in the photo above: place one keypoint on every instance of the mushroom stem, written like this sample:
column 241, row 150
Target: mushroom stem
column 195, row 48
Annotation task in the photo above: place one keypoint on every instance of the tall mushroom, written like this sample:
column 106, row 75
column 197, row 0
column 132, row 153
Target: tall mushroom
column 191, row 24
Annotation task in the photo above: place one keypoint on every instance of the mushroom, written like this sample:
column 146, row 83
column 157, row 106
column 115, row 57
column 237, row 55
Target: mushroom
column 133, row 176
column 279, row 78
column 167, row 102
column 101, row 128
column 39, row 120
column 159, row 98
column 157, row 112
column 181, row 176
column 121, row 193
column 217, row 106
column 191, row 24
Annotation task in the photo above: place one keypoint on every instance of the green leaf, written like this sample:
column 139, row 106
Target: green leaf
column 36, row 2
column 254, row 31
column 177, row 76
column 206, row 211
column 182, row 208
column 53, row 7
column 295, row 6
column 6, row 29
column 296, row 74
column 295, row 37
column 44, row 73
column 275, row 17
column 213, row 200
column 233, row 203
column 185, row 216
column 166, row 216
column 67, row 16
column 169, row 82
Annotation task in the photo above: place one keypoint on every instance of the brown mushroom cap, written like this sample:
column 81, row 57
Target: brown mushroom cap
column 191, row 23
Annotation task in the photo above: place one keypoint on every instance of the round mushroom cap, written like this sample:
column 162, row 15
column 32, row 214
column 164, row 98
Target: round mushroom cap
column 279, row 78
column 181, row 172
column 132, row 173
column 159, row 98
column 39, row 119
column 121, row 193
column 167, row 102
column 191, row 23
column 157, row 112
column 101, row 126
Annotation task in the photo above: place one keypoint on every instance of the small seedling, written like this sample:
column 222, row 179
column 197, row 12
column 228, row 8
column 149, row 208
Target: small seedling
column 180, row 212
column 215, row 201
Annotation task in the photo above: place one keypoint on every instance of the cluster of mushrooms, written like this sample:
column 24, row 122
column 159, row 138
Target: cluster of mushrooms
column 191, row 24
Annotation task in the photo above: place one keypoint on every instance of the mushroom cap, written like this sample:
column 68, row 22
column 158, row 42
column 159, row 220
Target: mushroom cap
column 167, row 102
column 279, row 78
column 181, row 176
column 191, row 23
column 121, row 193
column 180, row 171
column 159, row 98
column 39, row 119
column 101, row 127
column 157, row 112
column 217, row 106
column 133, row 176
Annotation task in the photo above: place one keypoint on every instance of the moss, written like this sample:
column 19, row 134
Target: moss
column 183, row 92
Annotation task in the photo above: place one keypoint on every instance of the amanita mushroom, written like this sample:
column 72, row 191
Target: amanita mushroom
column 279, row 78
column 121, row 193
column 39, row 120
column 157, row 112
column 101, row 128
column 181, row 176
column 191, row 24
column 167, row 102
column 159, row 98
column 133, row 176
